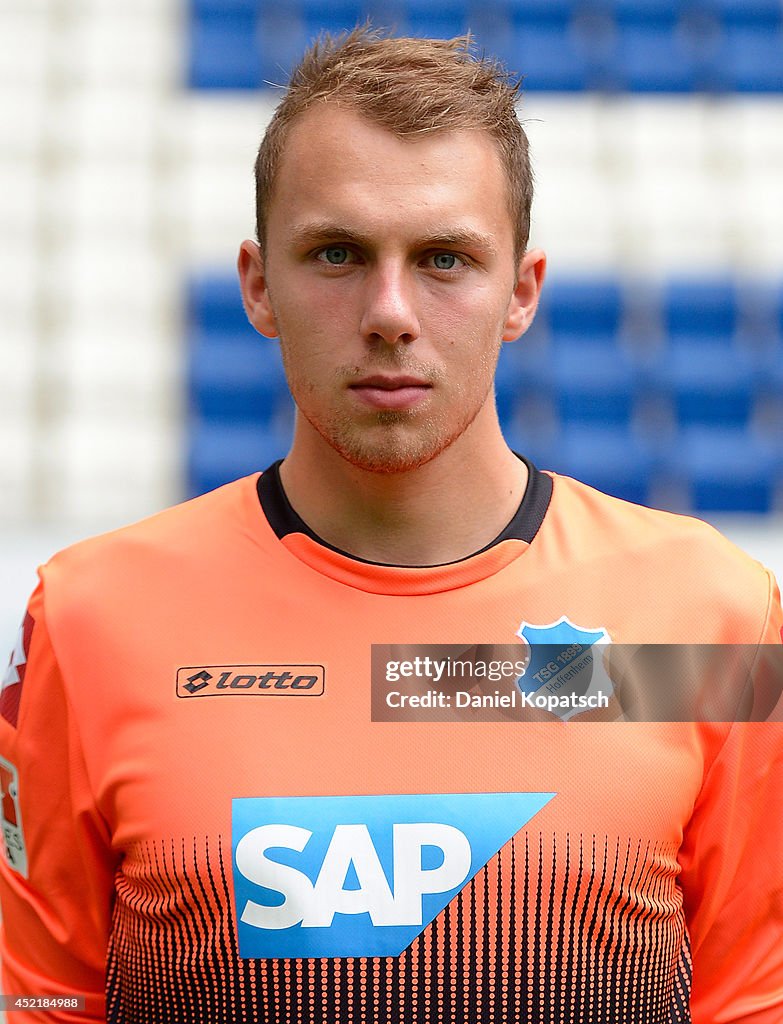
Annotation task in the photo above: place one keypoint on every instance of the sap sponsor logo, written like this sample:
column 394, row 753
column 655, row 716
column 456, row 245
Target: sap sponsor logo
column 363, row 875
column 14, row 846
column 260, row 680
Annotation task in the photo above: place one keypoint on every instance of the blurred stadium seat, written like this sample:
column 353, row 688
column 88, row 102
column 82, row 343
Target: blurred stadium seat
column 751, row 59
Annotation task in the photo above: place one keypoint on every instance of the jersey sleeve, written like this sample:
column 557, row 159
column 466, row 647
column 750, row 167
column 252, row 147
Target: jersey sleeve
column 732, row 863
column 57, row 867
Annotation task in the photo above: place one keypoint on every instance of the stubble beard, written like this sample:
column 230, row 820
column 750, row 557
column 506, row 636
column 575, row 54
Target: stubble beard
column 391, row 441
column 395, row 441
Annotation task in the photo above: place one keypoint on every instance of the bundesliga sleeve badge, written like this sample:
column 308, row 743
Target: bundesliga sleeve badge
column 13, row 839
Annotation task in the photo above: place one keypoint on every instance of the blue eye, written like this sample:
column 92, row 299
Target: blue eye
column 336, row 255
column 445, row 261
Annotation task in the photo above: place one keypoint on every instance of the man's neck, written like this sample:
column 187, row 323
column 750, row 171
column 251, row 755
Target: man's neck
column 447, row 509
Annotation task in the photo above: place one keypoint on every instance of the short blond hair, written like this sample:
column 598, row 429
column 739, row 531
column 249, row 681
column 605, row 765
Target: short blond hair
column 410, row 87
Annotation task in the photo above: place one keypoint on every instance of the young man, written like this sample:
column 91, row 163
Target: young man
column 200, row 809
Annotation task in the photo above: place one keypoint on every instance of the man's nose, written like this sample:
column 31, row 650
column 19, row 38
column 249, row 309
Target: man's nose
column 390, row 312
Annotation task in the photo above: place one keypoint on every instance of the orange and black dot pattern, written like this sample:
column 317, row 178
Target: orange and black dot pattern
column 565, row 930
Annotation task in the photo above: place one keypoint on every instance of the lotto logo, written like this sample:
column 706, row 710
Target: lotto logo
column 360, row 876
column 260, row 680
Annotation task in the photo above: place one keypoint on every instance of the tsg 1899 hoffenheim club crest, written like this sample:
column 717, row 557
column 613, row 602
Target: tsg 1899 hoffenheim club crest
column 565, row 672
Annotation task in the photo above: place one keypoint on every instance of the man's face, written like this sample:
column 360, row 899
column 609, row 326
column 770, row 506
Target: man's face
column 389, row 277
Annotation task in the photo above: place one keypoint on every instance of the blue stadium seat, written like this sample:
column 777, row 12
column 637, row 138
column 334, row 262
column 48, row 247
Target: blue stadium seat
column 281, row 41
column 542, row 446
column 542, row 12
column 199, row 8
column 220, row 453
column 761, row 13
column 223, row 53
column 701, row 309
column 455, row 10
column 350, row 9
column 594, row 38
column 614, row 461
column 594, row 382
column 655, row 59
column 769, row 388
column 751, row 59
column 767, row 421
column 236, row 379
column 525, row 368
column 730, row 470
column 709, row 384
column 214, row 304
column 432, row 24
column 240, row 412
column 548, row 57
column 760, row 314
column 590, row 307
column 644, row 12
column 331, row 18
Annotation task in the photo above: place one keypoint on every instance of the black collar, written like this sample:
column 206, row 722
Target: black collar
column 525, row 524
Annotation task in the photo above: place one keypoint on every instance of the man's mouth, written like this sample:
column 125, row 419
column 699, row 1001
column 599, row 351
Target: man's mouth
column 391, row 391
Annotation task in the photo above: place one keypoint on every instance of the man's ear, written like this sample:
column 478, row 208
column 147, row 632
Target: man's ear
column 524, row 301
column 255, row 294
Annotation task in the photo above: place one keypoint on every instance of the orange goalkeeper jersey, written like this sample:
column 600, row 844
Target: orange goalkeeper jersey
column 205, row 821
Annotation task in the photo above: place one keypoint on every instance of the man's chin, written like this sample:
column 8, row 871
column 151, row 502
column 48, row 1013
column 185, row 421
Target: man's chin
column 395, row 446
column 392, row 456
column 388, row 463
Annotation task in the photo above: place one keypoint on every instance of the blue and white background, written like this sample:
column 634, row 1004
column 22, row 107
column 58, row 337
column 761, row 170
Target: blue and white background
column 131, row 380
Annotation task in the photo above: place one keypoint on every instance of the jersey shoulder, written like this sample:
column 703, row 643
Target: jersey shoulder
column 202, row 532
column 678, row 557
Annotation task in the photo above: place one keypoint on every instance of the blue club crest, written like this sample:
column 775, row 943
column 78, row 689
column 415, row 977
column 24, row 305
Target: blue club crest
column 564, row 661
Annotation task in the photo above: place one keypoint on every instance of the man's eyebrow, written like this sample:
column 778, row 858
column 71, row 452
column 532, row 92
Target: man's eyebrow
column 460, row 238
column 447, row 237
column 322, row 231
